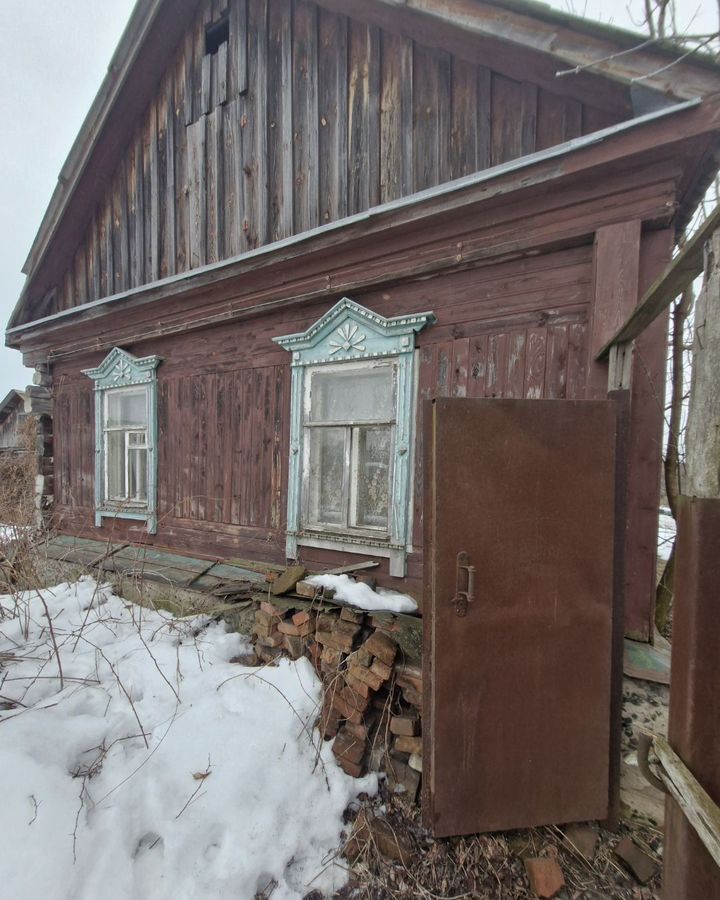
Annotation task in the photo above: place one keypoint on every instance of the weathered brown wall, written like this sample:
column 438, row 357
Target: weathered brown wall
column 516, row 329
column 10, row 435
column 306, row 117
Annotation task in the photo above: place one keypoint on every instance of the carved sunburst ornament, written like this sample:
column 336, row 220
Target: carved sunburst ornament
column 123, row 371
column 348, row 338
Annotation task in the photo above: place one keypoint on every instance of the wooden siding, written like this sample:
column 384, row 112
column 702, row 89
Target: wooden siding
column 11, row 427
column 302, row 118
column 513, row 329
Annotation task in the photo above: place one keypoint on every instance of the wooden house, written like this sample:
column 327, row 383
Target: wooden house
column 284, row 223
column 12, row 415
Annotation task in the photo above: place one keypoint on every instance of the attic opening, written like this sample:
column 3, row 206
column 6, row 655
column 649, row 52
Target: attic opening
column 217, row 34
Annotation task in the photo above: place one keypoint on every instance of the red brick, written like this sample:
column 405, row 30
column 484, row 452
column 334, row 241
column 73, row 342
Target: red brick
column 307, row 590
column 643, row 866
column 367, row 676
column 345, row 710
column 358, row 686
column 329, row 721
column 360, row 731
column 273, row 640
column 356, row 701
column 406, row 725
column 270, row 609
column 351, row 768
column 296, row 630
column 545, row 876
column 405, row 744
column 264, row 630
column 301, row 618
column 349, row 746
column 294, row 645
column 382, row 646
column 383, row 670
column 348, row 614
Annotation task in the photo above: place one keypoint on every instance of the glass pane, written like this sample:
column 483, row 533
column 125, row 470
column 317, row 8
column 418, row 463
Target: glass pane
column 137, row 439
column 325, row 487
column 360, row 395
column 127, row 409
column 373, row 476
column 137, row 476
column 115, row 461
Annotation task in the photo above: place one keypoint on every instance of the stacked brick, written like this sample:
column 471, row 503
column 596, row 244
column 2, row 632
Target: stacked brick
column 372, row 707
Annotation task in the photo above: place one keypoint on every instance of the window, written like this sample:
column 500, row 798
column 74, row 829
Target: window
column 353, row 413
column 350, row 415
column 125, row 441
column 216, row 34
column 125, row 426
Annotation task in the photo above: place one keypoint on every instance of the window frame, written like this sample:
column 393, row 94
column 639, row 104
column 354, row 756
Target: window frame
column 350, row 334
column 122, row 372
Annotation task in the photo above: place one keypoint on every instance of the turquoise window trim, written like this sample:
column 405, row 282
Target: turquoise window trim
column 120, row 369
column 350, row 332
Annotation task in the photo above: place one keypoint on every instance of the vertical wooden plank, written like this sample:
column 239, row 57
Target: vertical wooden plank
column 535, row 363
column 213, row 180
column 464, row 130
column 478, row 366
column 577, row 361
column 363, row 117
column 426, row 391
column 137, row 260
column 506, row 123
column 188, row 82
column 333, row 106
column 426, row 100
column 460, row 367
column 162, row 173
column 93, row 259
column 528, row 114
column 154, row 182
column 484, row 118
column 81, row 284
column 279, row 427
column 255, row 161
column 206, row 84
column 109, row 249
column 444, row 115
column 232, row 177
column 515, row 377
column 280, row 120
column 170, row 247
column 572, row 119
column 396, row 117
column 617, row 272
column 236, row 441
column 443, row 373
column 556, row 363
column 181, row 187
column 238, row 70
column 305, row 116
column 222, row 87
column 197, row 198
column 496, row 377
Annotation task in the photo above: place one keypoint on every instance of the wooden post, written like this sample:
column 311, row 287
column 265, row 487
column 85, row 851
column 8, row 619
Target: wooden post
column 689, row 870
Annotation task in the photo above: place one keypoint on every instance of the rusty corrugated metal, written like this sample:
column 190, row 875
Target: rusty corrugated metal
column 519, row 687
column 694, row 722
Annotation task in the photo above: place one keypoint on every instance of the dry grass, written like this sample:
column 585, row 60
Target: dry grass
column 491, row 865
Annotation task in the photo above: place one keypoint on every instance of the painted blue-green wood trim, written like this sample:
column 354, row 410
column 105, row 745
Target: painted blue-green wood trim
column 350, row 332
column 120, row 369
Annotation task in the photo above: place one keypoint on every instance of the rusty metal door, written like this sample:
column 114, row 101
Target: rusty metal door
column 519, row 530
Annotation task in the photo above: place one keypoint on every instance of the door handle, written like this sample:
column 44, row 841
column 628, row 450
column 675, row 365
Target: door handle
column 464, row 578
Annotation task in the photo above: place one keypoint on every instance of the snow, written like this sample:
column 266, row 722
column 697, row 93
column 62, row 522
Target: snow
column 666, row 535
column 234, row 791
column 361, row 595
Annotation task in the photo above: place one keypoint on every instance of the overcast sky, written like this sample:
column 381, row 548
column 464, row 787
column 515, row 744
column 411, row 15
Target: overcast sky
column 53, row 56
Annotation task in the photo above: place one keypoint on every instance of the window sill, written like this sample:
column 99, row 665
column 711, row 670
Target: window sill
column 363, row 546
column 137, row 515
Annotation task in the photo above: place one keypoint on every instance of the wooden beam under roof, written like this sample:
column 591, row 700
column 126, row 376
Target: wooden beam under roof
column 682, row 270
